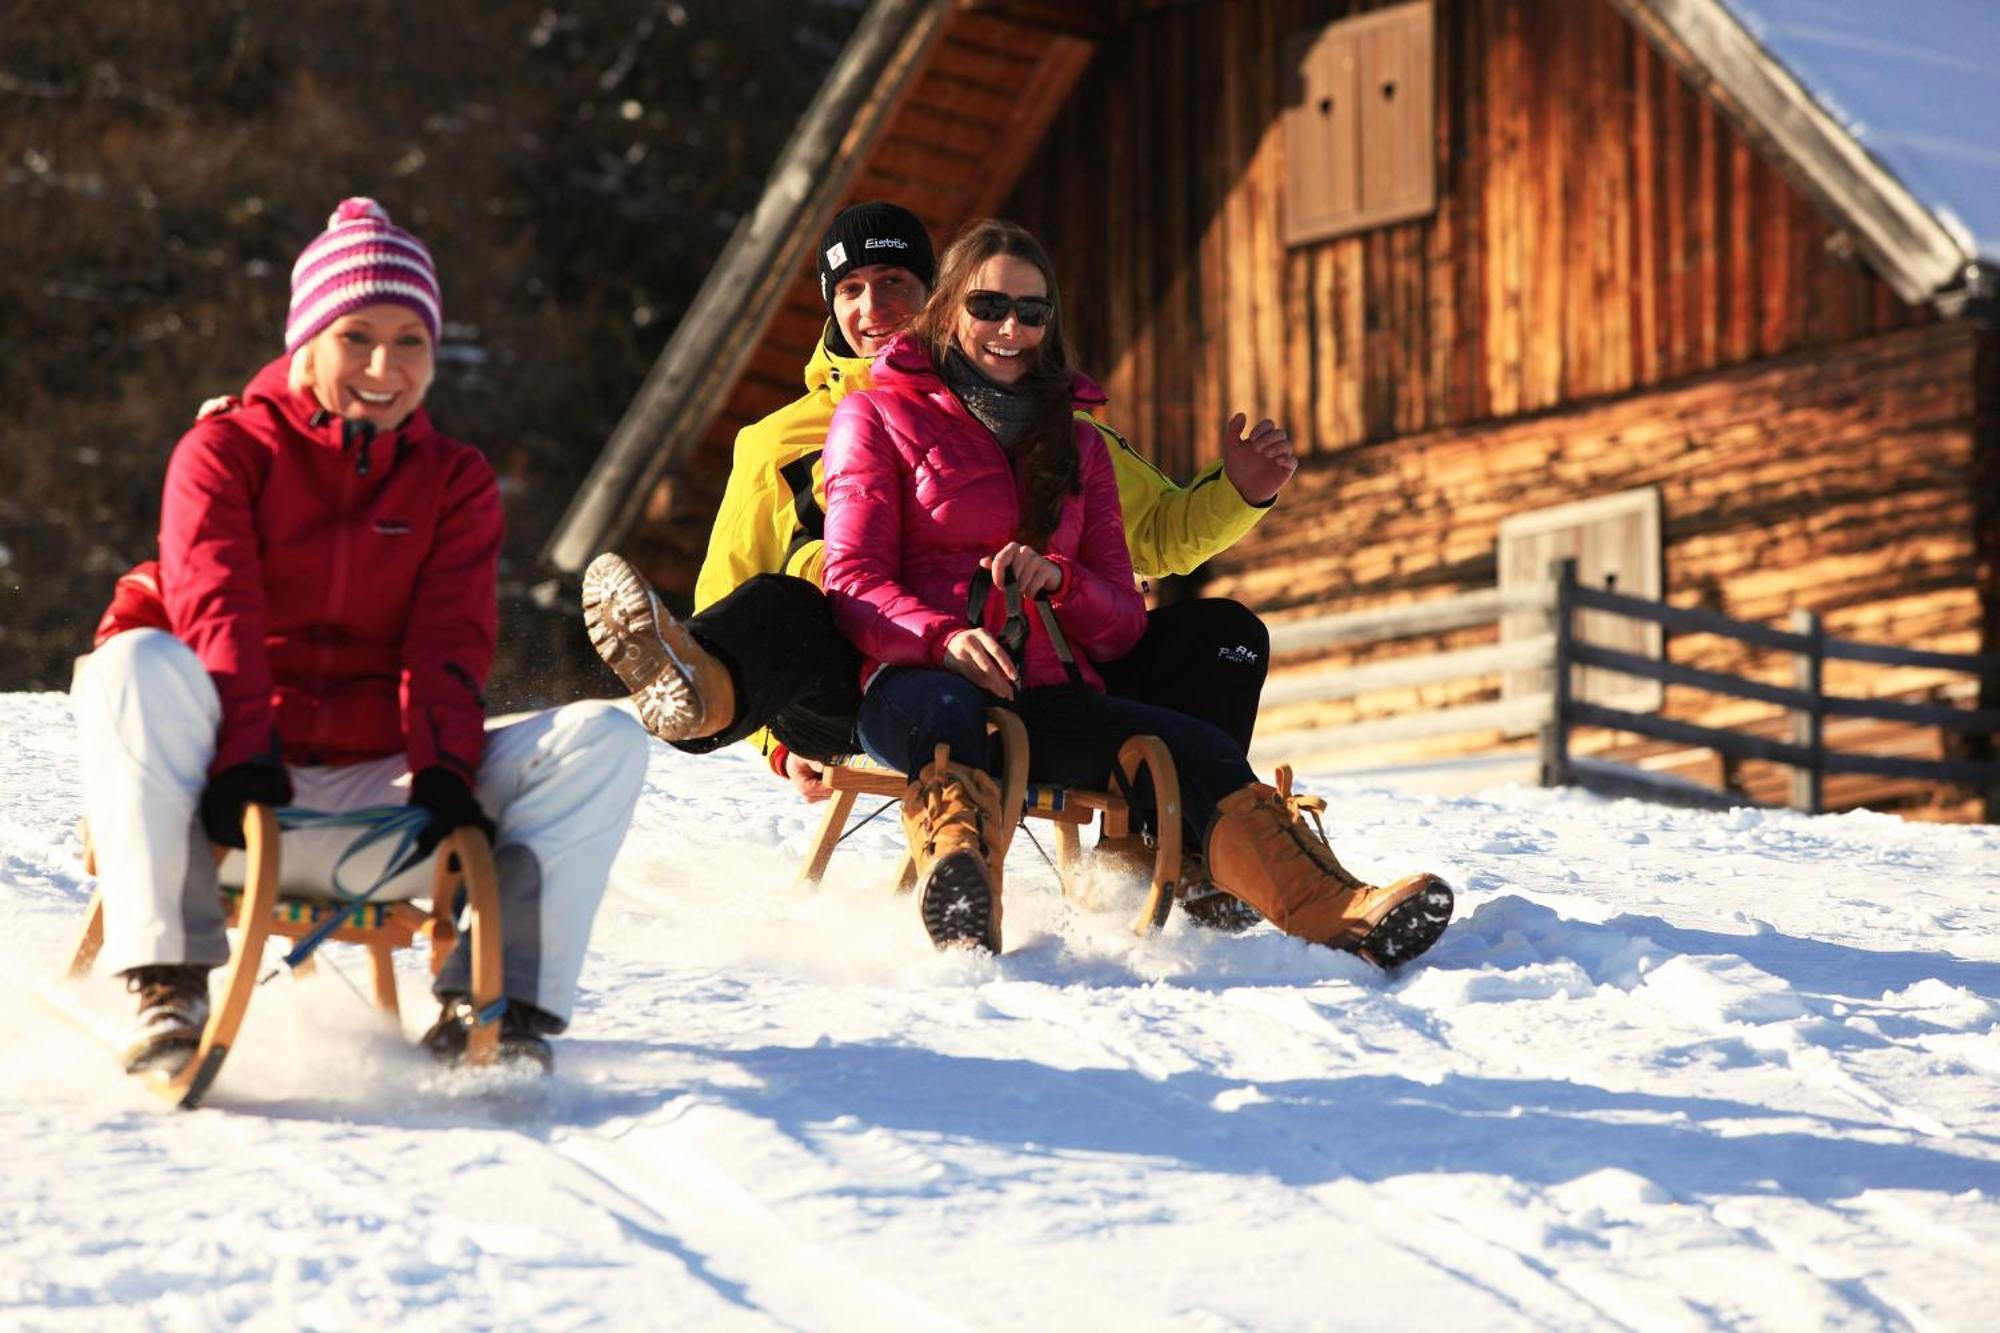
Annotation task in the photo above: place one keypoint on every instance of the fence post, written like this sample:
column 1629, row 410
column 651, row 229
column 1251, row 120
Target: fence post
column 1555, row 732
column 1809, row 723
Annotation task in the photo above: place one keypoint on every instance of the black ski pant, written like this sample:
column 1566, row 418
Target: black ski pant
column 1205, row 658
column 797, row 674
column 794, row 671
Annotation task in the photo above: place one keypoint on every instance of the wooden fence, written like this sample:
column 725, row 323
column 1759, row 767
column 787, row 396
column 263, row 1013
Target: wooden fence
column 1522, row 716
column 1556, row 713
column 1807, row 753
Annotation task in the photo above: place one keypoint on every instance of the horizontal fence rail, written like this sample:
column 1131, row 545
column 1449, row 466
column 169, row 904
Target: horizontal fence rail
column 1460, row 611
column 1693, row 620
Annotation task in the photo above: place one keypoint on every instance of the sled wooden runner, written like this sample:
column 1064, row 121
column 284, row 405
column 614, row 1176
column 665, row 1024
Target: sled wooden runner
column 1068, row 807
column 259, row 912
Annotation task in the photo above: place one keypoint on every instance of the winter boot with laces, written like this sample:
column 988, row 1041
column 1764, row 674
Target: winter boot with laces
column 681, row 691
column 1263, row 851
column 951, row 815
column 173, row 1009
column 522, row 1044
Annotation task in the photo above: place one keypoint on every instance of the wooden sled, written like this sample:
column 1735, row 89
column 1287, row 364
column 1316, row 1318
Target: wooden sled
column 1068, row 807
column 259, row 912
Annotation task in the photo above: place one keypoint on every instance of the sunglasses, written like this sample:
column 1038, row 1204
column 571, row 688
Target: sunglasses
column 1032, row 311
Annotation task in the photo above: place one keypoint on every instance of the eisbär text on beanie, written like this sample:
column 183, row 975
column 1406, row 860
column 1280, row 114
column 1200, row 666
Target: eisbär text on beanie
column 874, row 233
column 361, row 259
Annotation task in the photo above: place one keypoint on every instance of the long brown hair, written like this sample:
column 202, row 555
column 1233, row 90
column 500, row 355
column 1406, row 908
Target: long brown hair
column 1044, row 460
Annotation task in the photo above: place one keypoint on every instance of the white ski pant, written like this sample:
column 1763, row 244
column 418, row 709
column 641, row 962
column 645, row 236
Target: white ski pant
column 561, row 786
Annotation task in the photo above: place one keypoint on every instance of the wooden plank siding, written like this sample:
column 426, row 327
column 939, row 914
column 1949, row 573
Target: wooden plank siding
column 1600, row 228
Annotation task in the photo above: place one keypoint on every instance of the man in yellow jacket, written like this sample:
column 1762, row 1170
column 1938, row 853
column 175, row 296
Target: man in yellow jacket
column 761, row 659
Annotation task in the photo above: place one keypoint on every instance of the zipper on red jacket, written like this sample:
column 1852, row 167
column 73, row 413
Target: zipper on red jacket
column 357, row 433
column 351, row 432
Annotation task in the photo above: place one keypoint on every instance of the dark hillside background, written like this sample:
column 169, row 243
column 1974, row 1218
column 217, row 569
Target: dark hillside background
column 575, row 170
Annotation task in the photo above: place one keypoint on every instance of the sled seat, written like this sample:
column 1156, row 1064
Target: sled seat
column 257, row 912
column 1069, row 808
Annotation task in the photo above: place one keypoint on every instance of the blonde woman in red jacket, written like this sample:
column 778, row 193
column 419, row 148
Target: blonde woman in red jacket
column 318, row 634
column 965, row 459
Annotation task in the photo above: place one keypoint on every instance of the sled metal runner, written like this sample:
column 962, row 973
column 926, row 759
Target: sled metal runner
column 1069, row 808
column 260, row 912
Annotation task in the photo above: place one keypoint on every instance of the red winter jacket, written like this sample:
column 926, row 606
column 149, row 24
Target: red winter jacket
column 918, row 491
column 341, row 593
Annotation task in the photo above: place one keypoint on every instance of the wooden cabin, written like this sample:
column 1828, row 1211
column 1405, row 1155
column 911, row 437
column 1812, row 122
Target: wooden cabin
column 1522, row 277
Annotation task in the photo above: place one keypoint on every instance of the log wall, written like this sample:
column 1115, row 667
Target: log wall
column 1849, row 481
column 1600, row 229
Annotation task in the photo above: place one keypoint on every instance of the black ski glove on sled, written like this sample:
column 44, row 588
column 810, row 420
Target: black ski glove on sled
column 222, row 800
column 451, row 804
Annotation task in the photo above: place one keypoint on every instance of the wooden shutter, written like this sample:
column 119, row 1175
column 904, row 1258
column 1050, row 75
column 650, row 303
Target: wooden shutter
column 1359, row 127
column 1615, row 540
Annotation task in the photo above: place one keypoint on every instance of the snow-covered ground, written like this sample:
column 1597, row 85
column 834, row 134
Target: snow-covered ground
column 1667, row 1070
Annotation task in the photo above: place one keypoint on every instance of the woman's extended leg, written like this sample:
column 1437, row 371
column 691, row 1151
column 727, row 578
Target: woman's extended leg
column 1257, row 844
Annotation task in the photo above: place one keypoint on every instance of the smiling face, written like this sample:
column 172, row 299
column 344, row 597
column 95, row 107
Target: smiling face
column 872, row 303
column 1003, row 349
column 373, row 365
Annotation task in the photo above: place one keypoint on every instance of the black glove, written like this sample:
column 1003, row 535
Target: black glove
column 258, row 782
column 452, row 807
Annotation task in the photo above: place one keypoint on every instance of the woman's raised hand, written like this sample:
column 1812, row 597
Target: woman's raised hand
column 978, row 656
column 1034, row 572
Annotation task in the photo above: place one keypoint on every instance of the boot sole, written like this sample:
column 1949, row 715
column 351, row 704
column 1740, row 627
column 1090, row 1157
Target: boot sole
column 1411, row 927
column 164, row 1054
column 958, row 903
column 1222, row 912
column 622, row 617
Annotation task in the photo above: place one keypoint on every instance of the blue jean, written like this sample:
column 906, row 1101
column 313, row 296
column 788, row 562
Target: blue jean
column 1073, row 736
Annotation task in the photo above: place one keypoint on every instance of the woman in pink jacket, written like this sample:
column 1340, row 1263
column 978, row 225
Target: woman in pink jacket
column 964, row 462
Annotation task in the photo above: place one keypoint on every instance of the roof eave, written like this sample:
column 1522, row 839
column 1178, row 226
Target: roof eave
column 716, row 337
column 1901, row 237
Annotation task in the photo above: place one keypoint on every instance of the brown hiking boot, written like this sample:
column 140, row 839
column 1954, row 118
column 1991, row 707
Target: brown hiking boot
column 681, row 691
column 173, row 1009
column 951, row 815
column 1263, row 851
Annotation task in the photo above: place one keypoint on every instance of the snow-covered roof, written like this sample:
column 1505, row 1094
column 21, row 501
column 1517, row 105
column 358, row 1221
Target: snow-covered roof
column 1915, row 82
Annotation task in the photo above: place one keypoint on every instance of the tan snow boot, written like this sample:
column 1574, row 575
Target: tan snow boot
column 1261, row 849
column 681, row 691
column 951, row 815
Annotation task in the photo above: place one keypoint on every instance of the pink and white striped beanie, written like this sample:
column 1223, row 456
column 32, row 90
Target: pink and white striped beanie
column 361, row 259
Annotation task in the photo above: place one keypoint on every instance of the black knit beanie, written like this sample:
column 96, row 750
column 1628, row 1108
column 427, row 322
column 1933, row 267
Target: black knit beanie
column 874, row 233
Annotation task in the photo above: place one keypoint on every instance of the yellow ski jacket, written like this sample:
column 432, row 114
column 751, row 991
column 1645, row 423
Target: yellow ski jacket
column 773, row 514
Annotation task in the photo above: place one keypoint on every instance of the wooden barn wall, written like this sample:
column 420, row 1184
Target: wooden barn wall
column 1600, row 229
column 1846, row 481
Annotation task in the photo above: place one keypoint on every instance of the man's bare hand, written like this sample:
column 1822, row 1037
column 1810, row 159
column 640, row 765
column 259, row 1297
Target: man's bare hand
column 808, row 779
column 1258, row 464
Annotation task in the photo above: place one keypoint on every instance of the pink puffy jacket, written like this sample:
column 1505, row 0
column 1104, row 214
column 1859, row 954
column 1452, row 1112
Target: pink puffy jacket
column 918, row 491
